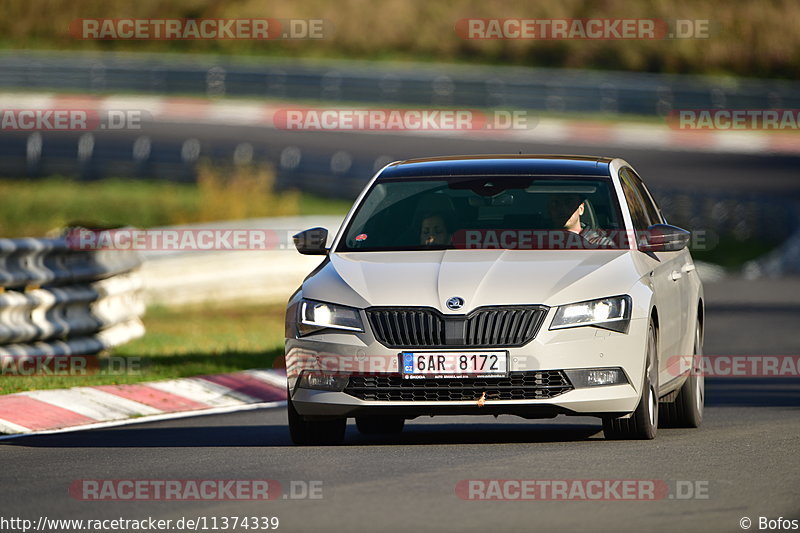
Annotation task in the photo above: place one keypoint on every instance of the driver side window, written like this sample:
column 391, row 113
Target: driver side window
column 639, row 215
column 649, row 205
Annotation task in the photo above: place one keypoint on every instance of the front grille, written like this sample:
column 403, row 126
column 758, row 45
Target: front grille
column 517, row 386
column 415, row 327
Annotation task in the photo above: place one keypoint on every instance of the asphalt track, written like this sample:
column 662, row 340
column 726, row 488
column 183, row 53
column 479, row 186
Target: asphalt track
column 668, row 168
column 745, row 453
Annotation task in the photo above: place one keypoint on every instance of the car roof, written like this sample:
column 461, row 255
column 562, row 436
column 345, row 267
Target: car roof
column 499, row 165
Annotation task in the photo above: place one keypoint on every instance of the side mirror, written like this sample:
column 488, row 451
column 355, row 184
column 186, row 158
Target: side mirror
column 311, row 241
column 663, row 238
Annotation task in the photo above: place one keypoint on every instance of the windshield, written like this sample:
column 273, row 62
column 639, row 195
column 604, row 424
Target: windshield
column 487, row 212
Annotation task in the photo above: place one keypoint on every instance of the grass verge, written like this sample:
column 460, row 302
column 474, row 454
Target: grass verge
column 37, row 207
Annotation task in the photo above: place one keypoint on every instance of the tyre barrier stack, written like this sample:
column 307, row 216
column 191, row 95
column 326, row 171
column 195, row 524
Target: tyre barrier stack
column 57, row 300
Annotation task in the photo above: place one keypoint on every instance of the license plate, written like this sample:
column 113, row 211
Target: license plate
column 453, row 364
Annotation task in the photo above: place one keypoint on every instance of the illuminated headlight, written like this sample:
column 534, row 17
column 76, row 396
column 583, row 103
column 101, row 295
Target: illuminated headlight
column 315, row 316
column 323, row 381
column 596, row 377
column 608, row 313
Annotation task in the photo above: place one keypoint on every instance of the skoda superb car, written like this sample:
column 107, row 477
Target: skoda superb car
column 526, row 285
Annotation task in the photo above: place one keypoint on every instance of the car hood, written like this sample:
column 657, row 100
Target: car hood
column 480, row 277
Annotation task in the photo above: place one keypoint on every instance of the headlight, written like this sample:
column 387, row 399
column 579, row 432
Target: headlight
column 608, row 313
column 315, row 316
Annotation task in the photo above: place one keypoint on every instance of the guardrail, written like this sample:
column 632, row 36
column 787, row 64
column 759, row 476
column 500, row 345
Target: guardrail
column 55, row 300
column 556, row 90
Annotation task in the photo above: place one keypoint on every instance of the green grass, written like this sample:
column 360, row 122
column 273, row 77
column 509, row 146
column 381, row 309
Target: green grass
column 183, row 343
column 316, row 205
column 35, row 207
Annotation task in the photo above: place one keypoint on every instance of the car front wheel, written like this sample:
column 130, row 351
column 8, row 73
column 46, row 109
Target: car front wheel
column 642, row 423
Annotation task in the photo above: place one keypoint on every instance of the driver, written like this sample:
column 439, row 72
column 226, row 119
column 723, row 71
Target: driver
column 566, row 210
column 434, row 230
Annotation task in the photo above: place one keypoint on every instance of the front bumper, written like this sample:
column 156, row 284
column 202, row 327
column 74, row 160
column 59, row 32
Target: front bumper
column 574, row 348
column 598, row 401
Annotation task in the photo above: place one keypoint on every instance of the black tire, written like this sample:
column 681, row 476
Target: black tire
column 686, row 410
column 643, row 423
column 315, row 432
column 377, row 425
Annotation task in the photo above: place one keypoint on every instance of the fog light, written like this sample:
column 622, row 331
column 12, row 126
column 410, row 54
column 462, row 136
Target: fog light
column 323, row 381
column 596, row 377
